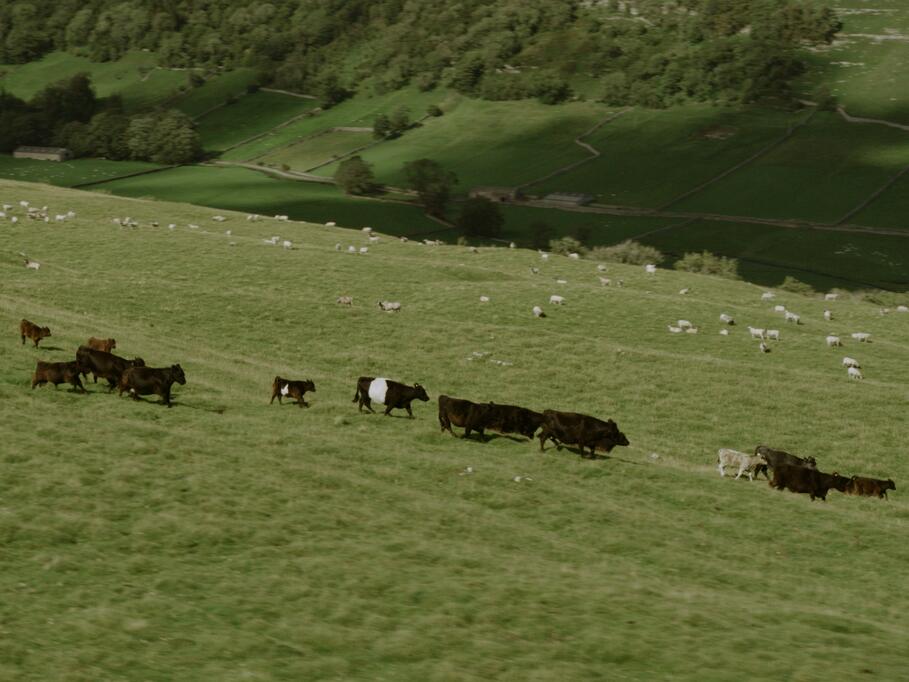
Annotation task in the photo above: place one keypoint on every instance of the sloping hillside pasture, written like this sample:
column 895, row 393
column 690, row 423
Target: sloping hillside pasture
column 826, row 169
column 866, row 65
column 134, row 77
column 67, row 173
column 228, row 539
column 248, row 116
column 359, row 111
column 890, row 209
column 311, row 151
column 824, row 259
column 214, row 91
column 241, row 189
column 603, row 230
column 490, row 143
column 650, row 157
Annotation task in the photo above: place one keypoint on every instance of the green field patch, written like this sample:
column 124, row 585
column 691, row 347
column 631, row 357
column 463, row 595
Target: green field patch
column 248, row 116
column 216, row 90
column 595, row 229
column 826, row 169
column 822, row 258
column 235, row 538
column 68, row 173
column 320, row 148
column 242, row 189
column 650, row 157
column 889, row 210
column 135, row 77
column 360, row 111
column 490, row 143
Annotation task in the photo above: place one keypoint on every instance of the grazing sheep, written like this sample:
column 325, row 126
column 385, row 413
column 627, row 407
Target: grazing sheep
column 282, row 218
column 473, row 249
column 767, row 296
column 854, row 373
column 561, row 281
column 364, row 249
column 512, row 245
column 351, row 249
column 338, row 246
column 792, row 317
column 833, row 341
column 331, row 223
column 773, row 334
column 605, row 281
column 31, row 264
column 367, row 230
column 779, row 309
column 861, row 337
column 538, row 311
column 727, row 319
column 724, row 332
column 674, row 330
column 484, row 299
column 574, row 256
column 601, row 268
column 253, row 217
column 287, row 244
column 684, row 324
column 831, row 297
column 373, row 240
column 345, row 300
column 218, row 218
column 650, row 269
column 556, row 300
column 684, row 291
column 534, row 271
column 403, row 239
column 390, row 306
column 172, row 226
column 747, row 464
column 14, row 219
column 764, row 348
column 851, row 362
column 691, row 330
column 544, row 256
column 228, row 232
column 828, row 315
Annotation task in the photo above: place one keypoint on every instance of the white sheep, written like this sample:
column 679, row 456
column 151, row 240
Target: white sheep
column 31, row 264
column 512, row 245
column 650, row 268
column 764, row 348
column 345, row 300
column 833, row 341
column 253, row 217
column 831, row 297
column 756, row 332
column 902, row 309
column 605, row 281
column 684, row 324
column 561, row 281
column 691, row 330
column 287, row 244
column 484, row 299
column 851, row 362
column 331, row 223
column 544, row 256
column 574, row 256
column 218, row 218
column 779, row 309
column 854, row 373
column 556, row 299
column 228, row 232
column 792, row 317
column 367, row 230
column 172, row 226
column 601, row 268
column 674, row 330
column 727, row 319
column 390, row 306
column 338, row 246
column 364, row 249
column 767, row 296
column 828, row 315
column 861, row 337
column 14, row 219
column 534, row 271
column 724, row 332
column 773, row 334
column 684, row 291
column 351, row 249
column 538, row 311
column 373, row 240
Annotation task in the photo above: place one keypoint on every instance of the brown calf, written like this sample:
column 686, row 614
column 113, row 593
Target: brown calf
column 107, row 345
column 33, row 331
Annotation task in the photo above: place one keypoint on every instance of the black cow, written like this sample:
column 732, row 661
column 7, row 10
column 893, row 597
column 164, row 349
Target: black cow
column 58, row 373
column 395, row 395
column 800, row 479
column 294, row 389
column 33, row 331
column 464, row 413
column 776, row 458
column 514, row 419
column 105, row 365
column 861, row 485
column 572, row 428
column 146, row 380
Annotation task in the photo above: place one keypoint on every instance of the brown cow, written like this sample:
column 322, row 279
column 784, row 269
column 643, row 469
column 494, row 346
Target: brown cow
column 292, row 389
column 32, row 331
column 58, row 373
column 860, row 485
column 107, row 345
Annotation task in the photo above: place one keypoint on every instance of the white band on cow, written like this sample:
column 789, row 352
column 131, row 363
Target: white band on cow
column 377, row 390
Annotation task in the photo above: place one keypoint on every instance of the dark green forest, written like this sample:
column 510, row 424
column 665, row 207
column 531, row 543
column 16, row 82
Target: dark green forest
column 647, row 52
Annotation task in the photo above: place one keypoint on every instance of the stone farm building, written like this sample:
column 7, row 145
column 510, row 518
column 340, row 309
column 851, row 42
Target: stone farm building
column 496, row 193
column 569, row 198
column 42, row 153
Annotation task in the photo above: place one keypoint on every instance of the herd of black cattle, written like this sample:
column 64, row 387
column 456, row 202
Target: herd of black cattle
column 790, row 472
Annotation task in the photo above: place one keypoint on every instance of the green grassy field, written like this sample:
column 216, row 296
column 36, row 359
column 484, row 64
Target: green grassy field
column 246, row 190
column 311, row 151
column 650, row 157
column 360, row 111
column 248, row 116
column 67, row 173
column 134, row 77
column 214, row 91
column 824, row 170
column 890, row 209
column 490, row 143
column 230, row 539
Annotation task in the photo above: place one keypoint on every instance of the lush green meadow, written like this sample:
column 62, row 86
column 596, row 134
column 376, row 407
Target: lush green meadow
column 311, row 151
column 650, row 157
column 826, row 169
column 241, row 189
column 216, row 90
column 490, row 143
column 68, row 173
column 248, row 116
column 890, row 209
column 231, row 539
column 134, row 77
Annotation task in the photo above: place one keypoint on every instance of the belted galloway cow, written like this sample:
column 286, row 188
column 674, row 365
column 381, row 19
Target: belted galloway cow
column 147, row 380
column 571, row 428
column 281, row 387
column 390, row 393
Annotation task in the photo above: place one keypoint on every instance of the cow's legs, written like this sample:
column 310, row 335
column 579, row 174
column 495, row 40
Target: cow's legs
column 301, row 402
column 409, row 413
column 446, row 425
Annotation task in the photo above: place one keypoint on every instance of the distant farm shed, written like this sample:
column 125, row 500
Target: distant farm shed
column 42, row 153
column 569, row 198
column 496, row 193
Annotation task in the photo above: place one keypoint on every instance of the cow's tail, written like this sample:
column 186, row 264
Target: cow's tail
column 356, row 397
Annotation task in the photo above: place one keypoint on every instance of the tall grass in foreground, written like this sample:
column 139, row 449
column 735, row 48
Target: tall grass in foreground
column 228, row 539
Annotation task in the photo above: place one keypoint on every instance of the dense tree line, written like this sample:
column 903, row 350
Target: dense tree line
column 649, row 52
column 68, row 114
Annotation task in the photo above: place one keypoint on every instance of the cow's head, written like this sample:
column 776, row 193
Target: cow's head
column 811, row 463
column 838, row 482
column 111, row 344
column 309, row 385
column 43, row 332
column 530, row 424
column 420, row 393
column 889, row 484
column 177, row 373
